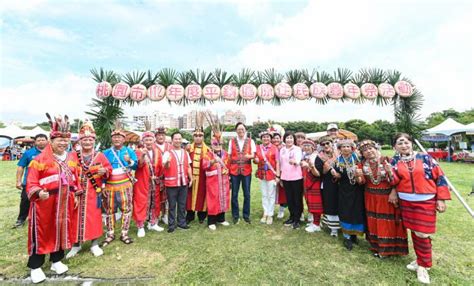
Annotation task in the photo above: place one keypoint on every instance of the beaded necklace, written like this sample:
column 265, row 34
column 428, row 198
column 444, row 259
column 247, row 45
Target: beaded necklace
column 407, row 161
column 377, row 168
column 349, row 165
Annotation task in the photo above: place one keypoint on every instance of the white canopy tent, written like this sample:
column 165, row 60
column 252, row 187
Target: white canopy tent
column 443, row 132
column 470, row 129
column 12, row 131
column 447, row 128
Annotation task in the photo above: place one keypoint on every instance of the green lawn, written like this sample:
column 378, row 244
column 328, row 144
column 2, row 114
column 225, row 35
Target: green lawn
column 252, row 254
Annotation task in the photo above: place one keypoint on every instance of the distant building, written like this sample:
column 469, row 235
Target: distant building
column 231, row 117
column 164, row 119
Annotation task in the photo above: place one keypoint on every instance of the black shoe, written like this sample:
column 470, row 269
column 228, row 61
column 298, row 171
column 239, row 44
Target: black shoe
column 236, row 220
column 347, row 244
column 288, row 222
column 170, row 230
column 296, row 225
column 247, row 220
column 184, row 227
column 354, row 239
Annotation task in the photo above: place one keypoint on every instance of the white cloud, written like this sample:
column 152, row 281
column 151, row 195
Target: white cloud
column 69, row 94
column 20, row 6
column 376, row 34
column 54, row 33
column 322, row 31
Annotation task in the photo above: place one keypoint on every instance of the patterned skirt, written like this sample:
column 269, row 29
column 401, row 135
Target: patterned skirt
column 385, row 232
column 419, row 216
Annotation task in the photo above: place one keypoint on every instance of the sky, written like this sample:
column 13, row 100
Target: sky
column 49, row 47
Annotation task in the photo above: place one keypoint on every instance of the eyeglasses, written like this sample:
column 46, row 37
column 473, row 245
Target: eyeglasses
column 325, row 144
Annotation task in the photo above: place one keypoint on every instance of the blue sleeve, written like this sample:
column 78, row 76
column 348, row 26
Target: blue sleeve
column 133, row 156
column 24, row 160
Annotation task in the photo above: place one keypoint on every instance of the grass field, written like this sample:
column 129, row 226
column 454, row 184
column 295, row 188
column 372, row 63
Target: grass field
column 250, row 254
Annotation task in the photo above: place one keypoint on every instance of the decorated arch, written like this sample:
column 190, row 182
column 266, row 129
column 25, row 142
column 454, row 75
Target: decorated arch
column 367, row 86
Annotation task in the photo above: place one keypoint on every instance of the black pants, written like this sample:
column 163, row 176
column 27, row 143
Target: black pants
column 24, row 205
column 191, row 215
column 177, row 200
column 37, row 260
column 213, row 219
column 294, row 197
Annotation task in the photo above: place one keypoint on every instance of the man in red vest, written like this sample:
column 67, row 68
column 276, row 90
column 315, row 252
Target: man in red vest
column 241, row 151
column 178, row 177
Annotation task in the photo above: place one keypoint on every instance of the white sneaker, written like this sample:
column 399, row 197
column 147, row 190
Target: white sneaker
column 269, row 220
column 281, row 212
column 96, row 250
column 302, row 217
column 334, row 232
column 263, row 219
column 310, row 217
column 141, row 232
column 37, row 275
column 312, row 228
column 155, row 227
column 413, row 266
column 212, row 227
column 165, row 219
column 422, row 275
column 59, row 267
column 225, row 223
column 73, row 252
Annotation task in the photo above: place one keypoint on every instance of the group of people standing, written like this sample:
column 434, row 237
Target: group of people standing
column 345, row 186
column 356, row 189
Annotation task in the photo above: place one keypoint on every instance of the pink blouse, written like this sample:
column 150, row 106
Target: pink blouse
column 290, row 172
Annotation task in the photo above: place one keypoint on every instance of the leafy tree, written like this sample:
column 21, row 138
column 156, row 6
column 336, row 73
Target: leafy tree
column 2, row 125
column 467, row 116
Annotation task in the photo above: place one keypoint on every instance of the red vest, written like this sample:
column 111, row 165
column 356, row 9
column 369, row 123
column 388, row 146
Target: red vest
column 270, row 156
column 238, row 164
column 177, row 173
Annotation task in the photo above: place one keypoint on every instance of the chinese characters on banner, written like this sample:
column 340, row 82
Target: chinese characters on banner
column 121, row 91
column 193, row 92
column 318, row 90
column 351, row 90
column 248, row 91
column 335, row 90
column 265, row 91
column 301, row 91
column 283, row 90
column 138, row 92
column 175, row 92
column 369, row 90
column 230, row 92
column 211, row 92
column 103, row 90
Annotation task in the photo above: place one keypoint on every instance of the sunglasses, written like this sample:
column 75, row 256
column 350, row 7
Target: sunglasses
column 216, row 144
column 325, row 143
column 198, row 135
